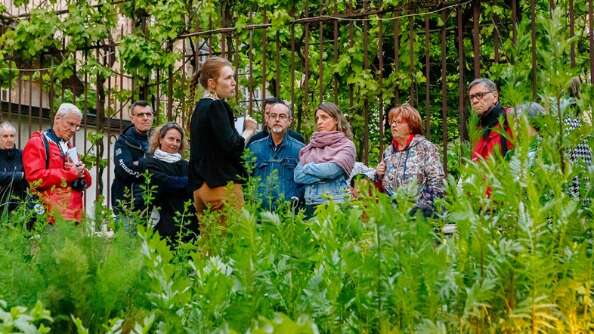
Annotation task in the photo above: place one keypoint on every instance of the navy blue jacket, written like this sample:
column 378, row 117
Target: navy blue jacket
column 12, row 178
column 130, row 147
column 275, row 166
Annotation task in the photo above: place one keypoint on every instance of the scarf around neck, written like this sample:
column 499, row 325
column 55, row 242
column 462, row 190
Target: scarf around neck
column 332, row 146
column 167, row 157
column 491, row 119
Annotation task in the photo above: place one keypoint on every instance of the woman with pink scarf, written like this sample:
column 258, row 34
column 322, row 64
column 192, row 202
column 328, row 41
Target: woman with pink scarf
column 327, row 161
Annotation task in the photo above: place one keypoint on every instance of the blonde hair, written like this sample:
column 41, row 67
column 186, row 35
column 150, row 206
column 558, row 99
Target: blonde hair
column 160, row 133
column 341, row 123
column 211, row 69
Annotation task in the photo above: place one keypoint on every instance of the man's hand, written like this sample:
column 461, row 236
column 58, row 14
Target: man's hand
column 80, row 167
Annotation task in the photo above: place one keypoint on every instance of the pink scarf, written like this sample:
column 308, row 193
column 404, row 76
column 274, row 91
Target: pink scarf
column 332, row 146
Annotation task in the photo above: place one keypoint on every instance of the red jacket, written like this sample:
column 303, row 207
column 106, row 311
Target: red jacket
column 53, row 185
column 485, row 146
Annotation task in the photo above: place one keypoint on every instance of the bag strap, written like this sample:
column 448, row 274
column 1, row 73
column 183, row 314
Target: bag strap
column 46, row 145
column 503, row 143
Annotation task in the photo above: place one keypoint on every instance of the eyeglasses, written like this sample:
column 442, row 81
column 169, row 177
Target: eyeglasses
column 72, row 125
column 479, row 95
column 281, row 117
column 144, row 114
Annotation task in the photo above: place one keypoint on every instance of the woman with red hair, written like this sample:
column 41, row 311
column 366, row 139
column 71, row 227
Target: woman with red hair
column 411, row 160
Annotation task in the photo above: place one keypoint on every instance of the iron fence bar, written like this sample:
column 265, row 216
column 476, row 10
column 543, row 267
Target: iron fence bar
column 321, row 63
column 476, row 37
column 251, row 70
column 396, row 29
column 277, row 47
column 444, row 96
column 533, row 46
column 365, row 98
column 411, row 57
column 264, row 55
column 305, row 90
column 461, row 82
column 19, row 108
column 335, row 41
column 427, row 79
column 515, row 21
column 591, row 16
column 380, row 74
column 571, row 15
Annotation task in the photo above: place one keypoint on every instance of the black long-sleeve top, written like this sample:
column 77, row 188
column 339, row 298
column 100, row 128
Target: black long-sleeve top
column 216, row 147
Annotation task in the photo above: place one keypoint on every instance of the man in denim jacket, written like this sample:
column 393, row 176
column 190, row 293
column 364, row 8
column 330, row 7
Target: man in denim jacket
column 277, row 156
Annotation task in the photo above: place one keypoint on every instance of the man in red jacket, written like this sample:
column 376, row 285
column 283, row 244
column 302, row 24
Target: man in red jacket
column 52, row 167
column 484, row 100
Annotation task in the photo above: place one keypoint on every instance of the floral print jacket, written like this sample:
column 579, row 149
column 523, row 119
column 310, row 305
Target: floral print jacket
column 417, row 165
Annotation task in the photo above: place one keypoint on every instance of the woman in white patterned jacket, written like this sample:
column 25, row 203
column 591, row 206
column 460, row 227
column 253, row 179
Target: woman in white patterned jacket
column 411, row 160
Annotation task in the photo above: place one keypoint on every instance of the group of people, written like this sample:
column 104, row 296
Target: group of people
column 288, row 169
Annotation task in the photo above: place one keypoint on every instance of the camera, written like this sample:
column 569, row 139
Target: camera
column 79, row 184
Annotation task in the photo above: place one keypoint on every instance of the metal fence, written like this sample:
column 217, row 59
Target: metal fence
column 299, row 63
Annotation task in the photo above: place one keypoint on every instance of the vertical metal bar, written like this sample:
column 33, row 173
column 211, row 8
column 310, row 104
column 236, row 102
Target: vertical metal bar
column 250, row 69
column 121, row 75
column 571, row 32
column 515, row 21
column 40, row 111
column 444, row 93
column 427, row 79
column 533, row 37
column 335, row 41
column 86, row 105
column 264, row 56
column 321, row 64
column 157, row 92
column 351, row 42
column 305, row 90
column 30, row 103
column 292, row 29
column 19, row 107
column 365, row 155
column 170, row 91
column 210, row 50
column 496, row 40
column 462, row 118
column 396, row 29
column 106, row 136
column 591, row 16
column 9, row 97
column 476, row 37
column 277, row 48
column 411, row 56
column 236, row 63
column 380, row 74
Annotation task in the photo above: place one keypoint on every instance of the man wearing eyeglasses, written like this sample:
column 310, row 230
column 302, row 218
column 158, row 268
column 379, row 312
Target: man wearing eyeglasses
column 130, row 147
column 277, row 156
column 266, row 105
column 484, row 100
column 53, row 169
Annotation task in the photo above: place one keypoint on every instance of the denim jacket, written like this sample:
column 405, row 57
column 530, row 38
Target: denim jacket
column 275, row 167
column 323, row 181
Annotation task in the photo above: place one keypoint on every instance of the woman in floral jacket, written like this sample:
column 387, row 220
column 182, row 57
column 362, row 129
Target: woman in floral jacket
column 411, row 160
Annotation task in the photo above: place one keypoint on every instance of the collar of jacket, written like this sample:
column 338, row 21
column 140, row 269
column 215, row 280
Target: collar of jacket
column 134, row 138
column 281, row 145
column 491, row 119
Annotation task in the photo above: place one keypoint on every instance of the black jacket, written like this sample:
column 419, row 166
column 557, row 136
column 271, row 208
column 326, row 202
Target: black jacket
column 264, row 133
column 171, row 193
column 215, row 146
column 12, row 178
column 130, row 147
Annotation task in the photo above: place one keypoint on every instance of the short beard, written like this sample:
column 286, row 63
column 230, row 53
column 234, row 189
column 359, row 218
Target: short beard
column 277, row 130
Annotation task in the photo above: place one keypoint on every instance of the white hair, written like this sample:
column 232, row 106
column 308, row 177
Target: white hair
column 66, row 109
column 6, row 125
